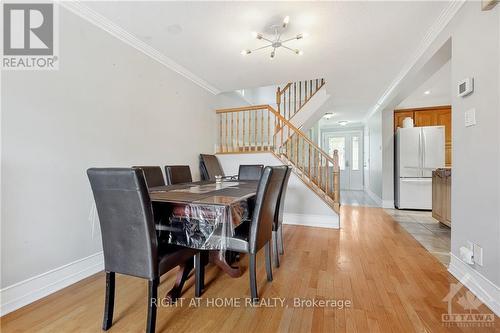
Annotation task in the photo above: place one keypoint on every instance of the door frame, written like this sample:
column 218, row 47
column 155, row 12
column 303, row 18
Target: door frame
column 351, row 132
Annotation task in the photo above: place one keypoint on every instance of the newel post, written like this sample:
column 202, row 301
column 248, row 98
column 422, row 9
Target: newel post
column 336, row 178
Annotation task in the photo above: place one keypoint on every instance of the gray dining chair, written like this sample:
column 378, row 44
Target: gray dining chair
column 129, row 239
column 178, row 174
column 250, row 171
column 251, row 237
column 153, row 175
column 278, row 248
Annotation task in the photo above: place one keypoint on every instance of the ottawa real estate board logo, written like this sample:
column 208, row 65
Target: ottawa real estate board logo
column 30, row 36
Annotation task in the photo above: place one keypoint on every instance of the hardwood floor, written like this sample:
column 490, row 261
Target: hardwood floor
column 394, row 285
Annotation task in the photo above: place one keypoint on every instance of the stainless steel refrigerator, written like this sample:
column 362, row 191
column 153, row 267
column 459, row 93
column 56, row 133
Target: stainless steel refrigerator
column 419, row 151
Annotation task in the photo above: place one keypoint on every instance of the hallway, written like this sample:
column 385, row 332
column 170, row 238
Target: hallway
column 356, row 198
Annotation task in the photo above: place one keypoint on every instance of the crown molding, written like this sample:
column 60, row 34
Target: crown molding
column 107, row 25
column 436, row 28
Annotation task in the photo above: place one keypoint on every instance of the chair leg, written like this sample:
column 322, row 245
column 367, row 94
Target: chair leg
column 280, row 233
column 253, row 279
column 109, row 303
column 269, row 266
column 199, row 275
column 275, row 249
column 152, row 299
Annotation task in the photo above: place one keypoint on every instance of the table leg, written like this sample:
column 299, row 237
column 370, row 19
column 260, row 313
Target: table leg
column 181, row 278
column 215, row 259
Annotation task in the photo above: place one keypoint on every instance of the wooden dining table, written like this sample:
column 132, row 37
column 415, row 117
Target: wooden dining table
column 206, row 196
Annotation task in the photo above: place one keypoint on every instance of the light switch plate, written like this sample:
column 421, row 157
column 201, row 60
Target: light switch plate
column 470, row 117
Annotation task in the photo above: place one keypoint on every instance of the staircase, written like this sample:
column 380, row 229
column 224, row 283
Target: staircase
column 261, row 128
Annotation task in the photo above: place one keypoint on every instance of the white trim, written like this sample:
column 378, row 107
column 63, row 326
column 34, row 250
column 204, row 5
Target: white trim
column 484, row 289
column 309, row 220
column 388, row 204
column 107, row 25
column 436, row 28
column 376, row 198
column 25, row 292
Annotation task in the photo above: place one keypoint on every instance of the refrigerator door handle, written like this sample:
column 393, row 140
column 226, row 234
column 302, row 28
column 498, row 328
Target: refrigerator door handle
column 420, row 152
column 423, row 150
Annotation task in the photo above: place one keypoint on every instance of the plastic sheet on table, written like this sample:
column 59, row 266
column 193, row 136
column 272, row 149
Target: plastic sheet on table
column 206, row 227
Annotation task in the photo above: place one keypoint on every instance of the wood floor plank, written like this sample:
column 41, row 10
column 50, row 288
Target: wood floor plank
column 394, row 285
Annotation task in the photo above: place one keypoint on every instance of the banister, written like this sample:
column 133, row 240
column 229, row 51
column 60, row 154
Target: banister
column 314, row 169
column 282, row 119
column 300, row 133
column 243, row 108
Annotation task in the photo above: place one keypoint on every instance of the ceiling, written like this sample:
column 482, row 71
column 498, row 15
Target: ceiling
column 358, row 47
column 435, row 91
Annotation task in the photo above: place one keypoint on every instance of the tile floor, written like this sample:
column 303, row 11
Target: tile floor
column 434, row 236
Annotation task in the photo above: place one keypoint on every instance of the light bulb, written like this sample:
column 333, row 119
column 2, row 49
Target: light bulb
column 286, row 20
column 256, row 35
column 302, row 35
column 299, row 52
column 245, row 52
column 272, row 55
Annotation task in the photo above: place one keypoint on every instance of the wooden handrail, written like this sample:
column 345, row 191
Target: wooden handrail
column 243, row 108
column 300, row 133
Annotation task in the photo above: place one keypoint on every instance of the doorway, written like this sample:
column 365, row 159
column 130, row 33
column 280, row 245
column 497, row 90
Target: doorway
column 350, row 147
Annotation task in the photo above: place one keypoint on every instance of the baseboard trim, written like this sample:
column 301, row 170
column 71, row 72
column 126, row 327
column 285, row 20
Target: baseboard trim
column 30, row 290
column 478, row 284
column 321, row 221
column 376, row 198
column 388, row 204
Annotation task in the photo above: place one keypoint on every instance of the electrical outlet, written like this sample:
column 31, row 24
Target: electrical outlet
column 478, row 254
column 470, row 117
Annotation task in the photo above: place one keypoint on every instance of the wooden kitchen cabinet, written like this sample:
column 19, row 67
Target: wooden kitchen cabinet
column 441, row 195
column 429, row 116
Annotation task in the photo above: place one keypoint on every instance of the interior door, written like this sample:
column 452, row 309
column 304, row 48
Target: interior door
column 350, row 148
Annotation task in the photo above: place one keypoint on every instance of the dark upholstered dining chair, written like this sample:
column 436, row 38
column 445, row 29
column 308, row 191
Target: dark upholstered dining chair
column 177, row 174
column 153, row 175
column 210, row 167
column 253, row 236
column 250, row 171
column 128, row 234
column 278, row 220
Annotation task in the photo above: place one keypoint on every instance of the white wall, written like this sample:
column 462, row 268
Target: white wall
column 374, row 172
column 475, row 50
column 438, row 86
column 476, row 155
column 107, row 105
column 302, row 206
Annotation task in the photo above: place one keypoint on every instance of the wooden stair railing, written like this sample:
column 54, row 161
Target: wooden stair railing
column 260, row 128
column 294, row 95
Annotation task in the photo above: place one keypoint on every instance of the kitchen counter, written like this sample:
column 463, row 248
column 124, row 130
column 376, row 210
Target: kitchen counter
column 441, row 195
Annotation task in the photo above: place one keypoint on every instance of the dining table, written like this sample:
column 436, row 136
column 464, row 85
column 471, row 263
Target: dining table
column 203, row 215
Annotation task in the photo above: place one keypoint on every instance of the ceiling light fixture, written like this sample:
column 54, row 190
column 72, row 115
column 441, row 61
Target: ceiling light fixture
column 328, row 115
column 343, row 122
column 427, row 92
column 276, row 41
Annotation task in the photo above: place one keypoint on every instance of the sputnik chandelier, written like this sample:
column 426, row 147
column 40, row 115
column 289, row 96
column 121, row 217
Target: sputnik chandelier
column 276, row 40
